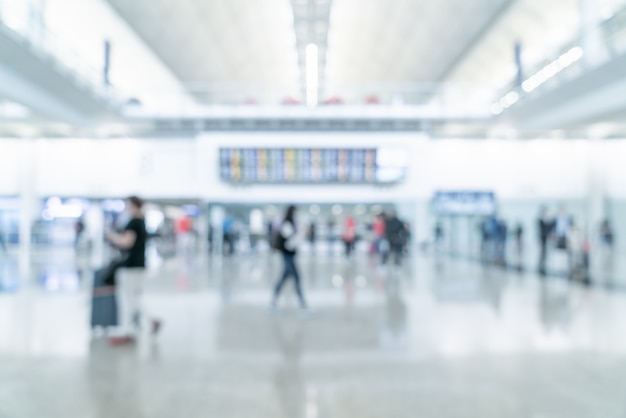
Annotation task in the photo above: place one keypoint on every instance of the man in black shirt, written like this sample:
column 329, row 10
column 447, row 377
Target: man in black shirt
column 135, row 256
column 132, row 242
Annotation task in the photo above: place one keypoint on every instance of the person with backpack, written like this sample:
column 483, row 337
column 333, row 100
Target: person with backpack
column 286, row 241
column 395, row 234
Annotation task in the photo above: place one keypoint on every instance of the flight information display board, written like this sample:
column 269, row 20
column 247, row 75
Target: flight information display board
column 304, row 165
column 464, row 202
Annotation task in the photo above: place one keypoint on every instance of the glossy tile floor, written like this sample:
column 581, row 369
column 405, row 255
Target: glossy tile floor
column 434, row 338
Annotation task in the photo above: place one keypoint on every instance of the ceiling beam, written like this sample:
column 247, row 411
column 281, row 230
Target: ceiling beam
column 480, row 36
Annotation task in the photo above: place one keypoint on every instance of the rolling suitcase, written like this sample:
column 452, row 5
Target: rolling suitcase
column 103, row 301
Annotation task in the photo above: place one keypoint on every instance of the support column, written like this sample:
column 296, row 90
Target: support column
column 591, row 39
column 94, row 222
column 28, row 204
column 36, row 21
column 217, row 215
column 596, row 187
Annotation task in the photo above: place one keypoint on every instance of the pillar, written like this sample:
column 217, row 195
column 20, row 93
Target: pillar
column 591, row 38
column 28, row 204
column 94, row 222
column 596, row 187
column 36, row 20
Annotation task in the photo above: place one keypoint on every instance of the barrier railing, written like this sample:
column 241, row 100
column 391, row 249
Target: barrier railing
column 42, row 42
column 568, row 62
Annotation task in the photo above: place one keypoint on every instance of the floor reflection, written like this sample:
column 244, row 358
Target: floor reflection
column 432, row 337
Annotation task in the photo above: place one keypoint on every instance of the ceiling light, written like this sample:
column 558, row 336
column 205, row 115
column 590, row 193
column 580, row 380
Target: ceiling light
column 496, row 109
column 311, row 75
column 552, row 69
column 337, row 210
column 509, row 100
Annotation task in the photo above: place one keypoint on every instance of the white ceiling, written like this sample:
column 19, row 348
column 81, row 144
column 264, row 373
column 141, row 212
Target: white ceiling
column 228, row 43
column 402, row 41
column 251, row 45
column 542, row 27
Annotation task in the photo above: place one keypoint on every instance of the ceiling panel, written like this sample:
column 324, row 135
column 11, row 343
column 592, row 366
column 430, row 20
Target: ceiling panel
column 221, row 43
column 401, row 41
column 252, row 45
column 542, row 27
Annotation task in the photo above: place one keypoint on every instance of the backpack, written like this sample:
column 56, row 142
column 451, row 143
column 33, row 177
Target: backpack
column 277, row 240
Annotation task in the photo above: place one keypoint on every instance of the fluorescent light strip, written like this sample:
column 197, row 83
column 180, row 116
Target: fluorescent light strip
column 312, row 79
column 543, row 75
column 552, row 69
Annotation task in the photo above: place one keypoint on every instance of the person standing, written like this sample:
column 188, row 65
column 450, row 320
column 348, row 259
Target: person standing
column 546, row 229
column 439, row 235
column 575, row 240
column 330, row 227
column 287, row 241
column 502, row 235
column 395, row 234
column 349, row 235
column 229, row 234
column 311, row 234
column 379, row 231
column 79, row 228
column 607, row 235
column 519, row 238
column 129, row 276
column 607, row 240
column 3, row 243
column 562, row 227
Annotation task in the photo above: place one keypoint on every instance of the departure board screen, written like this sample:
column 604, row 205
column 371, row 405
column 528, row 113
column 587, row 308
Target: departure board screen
column 464, row 202
column 303, row 165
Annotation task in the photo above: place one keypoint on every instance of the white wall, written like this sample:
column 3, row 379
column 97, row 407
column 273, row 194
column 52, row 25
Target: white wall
column 615, row 168
column 110, row 168
column 514, row 169
column 188, row 167
column 9, row 166
column 523, row 174
column 82, row 26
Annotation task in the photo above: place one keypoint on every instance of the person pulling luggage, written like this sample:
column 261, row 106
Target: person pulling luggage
column 129, row 276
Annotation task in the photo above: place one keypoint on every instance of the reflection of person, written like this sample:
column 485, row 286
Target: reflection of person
column 287, row 244
column 396, row 311
column 129, row 277
column 288, row 379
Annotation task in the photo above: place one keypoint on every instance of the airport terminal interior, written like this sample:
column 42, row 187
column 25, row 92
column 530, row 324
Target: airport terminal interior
column 312, row 208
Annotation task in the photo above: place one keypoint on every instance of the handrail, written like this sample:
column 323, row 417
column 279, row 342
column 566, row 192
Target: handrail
column 567, row 62
column 44, row 43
